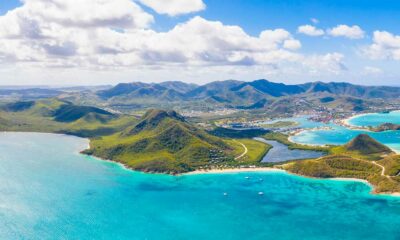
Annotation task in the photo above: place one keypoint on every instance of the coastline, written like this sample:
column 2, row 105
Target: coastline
column 234, row 170
column 290, row 137
column 346, row 121
column 221, row 171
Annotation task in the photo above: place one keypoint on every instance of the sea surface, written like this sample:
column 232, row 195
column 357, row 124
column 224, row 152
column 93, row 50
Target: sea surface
column 49, row 191
column 338, row 135
column 375, row 119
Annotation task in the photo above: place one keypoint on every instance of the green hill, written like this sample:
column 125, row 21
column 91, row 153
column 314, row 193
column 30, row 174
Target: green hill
column 162, row 141
column 70, row 113
column 54, row 115
column 249, row 95
column 365, row 144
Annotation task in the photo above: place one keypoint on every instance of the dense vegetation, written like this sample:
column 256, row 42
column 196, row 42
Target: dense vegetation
column 234, row 133
column 164, row 142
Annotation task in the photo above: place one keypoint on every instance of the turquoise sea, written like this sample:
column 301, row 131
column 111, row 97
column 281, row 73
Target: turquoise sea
column 49, row 191
column 376, row 119
column 338, row 135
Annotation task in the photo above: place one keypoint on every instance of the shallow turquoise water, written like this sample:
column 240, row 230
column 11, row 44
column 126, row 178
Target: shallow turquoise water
column 376, row 119
column 339, row 135
column 49, row 191
column 302, row 121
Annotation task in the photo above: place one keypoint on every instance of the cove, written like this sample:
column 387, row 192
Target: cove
column 338, row 135
column 375, row 119
column 50, row 191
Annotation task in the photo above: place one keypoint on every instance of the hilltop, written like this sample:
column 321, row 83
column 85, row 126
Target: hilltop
column 365, row 144
column 164, row 142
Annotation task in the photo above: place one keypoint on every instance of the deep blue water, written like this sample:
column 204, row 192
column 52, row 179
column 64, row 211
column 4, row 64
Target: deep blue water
column 280, row 152
column 49, row 191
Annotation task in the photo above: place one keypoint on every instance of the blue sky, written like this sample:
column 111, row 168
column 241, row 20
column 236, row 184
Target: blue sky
column 364, row 50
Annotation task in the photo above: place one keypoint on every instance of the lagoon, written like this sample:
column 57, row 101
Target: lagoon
column 50, row 191
column 281, row 153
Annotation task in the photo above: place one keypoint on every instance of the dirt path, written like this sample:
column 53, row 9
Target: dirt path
column 383, row 169
column 244, row 153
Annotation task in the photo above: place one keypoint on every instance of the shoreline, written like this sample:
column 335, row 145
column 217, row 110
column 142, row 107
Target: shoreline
column 219, row 171
column 233, row 170
column 290, row 137
column 346, row 121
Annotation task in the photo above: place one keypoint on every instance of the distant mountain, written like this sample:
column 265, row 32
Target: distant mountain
column 218, row 88
column 248, row 95
column 365, row 144
column 29, row 93
column 271, row 88
column 163, row 91
column 353, row 90
column 179, row 86
column 162, row 141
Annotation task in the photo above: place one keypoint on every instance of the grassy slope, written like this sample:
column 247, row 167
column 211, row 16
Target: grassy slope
column 163, row 142
column 348, row 163
column 41, row 117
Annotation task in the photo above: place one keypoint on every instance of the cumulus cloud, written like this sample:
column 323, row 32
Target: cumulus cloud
column 331, row 62
column 117, row 34
column 310, row 30
column 353, row 32
column 385, row 46
column 175, row 7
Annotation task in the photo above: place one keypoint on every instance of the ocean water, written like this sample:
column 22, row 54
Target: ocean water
column 49, row 191
column 376, row 119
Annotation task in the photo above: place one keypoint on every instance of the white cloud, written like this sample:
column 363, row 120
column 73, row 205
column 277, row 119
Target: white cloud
column 175, row 7
column 292, row 44
column 310, row 30
column 331, row 62
column 385, row 46
column 353, row 32
column 116, row 34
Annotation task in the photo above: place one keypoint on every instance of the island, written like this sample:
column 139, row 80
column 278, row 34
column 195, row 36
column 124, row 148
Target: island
column 163, row 141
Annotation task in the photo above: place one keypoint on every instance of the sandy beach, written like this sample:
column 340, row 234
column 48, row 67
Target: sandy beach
column 235, row 170
column 346, row 122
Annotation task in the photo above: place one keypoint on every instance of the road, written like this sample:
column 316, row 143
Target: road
column 245, row 150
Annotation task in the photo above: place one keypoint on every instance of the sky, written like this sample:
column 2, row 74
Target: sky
column 95, row 42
